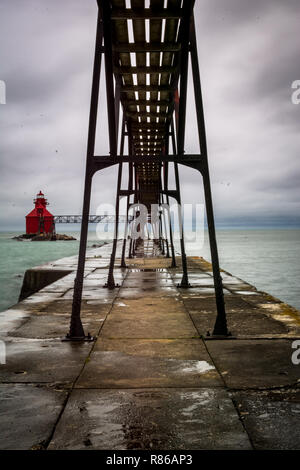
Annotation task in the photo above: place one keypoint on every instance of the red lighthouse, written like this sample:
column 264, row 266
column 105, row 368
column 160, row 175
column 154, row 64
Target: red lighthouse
column 39, row 220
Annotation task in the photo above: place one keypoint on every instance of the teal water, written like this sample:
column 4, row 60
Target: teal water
column 16, row 257
column 268, row 259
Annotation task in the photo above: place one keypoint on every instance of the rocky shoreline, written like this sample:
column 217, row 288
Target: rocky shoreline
column 44, row 237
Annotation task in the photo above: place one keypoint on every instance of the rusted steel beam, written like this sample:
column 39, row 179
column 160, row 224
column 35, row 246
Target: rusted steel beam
column 220, row 328
column 76, row 331
column 110, row 95
column 147, row 73
column 184, row 58
column 162, row 158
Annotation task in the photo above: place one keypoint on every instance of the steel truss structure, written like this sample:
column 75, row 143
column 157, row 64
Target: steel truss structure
column 146, row 53
column 93, row 219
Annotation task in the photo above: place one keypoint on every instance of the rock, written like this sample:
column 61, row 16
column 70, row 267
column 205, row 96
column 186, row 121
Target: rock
column 23, row 237
column 64, row 237
column 40, row 238
column 19, row 239
column 43, row 237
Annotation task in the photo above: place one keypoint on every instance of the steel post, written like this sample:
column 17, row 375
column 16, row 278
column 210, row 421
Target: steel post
column 184, row 281
column 76, row 331
column 220, row 327
column 110, row 281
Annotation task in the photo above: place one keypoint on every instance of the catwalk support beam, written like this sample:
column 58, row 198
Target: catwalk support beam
column 76, row 329
column 147, row 90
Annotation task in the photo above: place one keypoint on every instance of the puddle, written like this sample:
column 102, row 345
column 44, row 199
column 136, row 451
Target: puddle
column 246, row 292
column 198, row 366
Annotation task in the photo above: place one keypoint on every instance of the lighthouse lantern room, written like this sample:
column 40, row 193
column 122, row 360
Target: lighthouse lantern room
column 40, row 220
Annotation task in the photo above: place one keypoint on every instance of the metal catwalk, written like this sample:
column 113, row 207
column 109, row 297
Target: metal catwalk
column 146, row 52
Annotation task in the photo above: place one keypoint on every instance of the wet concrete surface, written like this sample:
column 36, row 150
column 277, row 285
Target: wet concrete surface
column 154, row 291
column 118, row 369
column 249, row 323
column 140, row 325
column 254, row 363
column 28, row 414
column 150, row 419
column 43, row 361
column 271, row 417
column 56, row 326
column 207, row 304
column 152, row 379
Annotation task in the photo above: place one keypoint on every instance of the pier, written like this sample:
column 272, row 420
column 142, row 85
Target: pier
column 133, row 346
column 153, row 378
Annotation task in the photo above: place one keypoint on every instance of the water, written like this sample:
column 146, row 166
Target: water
column 268, row 259
column 16, row 257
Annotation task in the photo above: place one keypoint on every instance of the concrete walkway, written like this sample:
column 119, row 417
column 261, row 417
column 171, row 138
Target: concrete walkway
column 151, row 380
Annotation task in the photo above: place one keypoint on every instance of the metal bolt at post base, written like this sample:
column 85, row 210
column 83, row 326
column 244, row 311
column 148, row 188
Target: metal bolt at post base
column 110, row 284
column 79, row 338
column 211, row 337
column 184, row 284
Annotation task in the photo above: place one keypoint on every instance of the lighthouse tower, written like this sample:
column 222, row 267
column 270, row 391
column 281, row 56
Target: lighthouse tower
column 40, row 220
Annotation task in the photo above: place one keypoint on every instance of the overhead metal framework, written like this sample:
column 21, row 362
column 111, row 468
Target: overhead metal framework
column 146, row 50
column 93, row 219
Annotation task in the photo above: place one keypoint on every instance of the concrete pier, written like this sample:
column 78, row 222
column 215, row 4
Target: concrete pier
column 153, row 379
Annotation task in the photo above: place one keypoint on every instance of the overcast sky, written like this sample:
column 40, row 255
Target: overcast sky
column 249, row 52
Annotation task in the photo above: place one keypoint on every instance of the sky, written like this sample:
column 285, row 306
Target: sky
column 249, row 53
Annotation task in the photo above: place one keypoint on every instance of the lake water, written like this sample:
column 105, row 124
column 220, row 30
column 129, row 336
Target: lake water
column 268, row 259
column 16, row 257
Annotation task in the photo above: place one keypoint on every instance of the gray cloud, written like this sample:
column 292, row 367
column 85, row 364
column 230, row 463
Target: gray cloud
column 249, row 55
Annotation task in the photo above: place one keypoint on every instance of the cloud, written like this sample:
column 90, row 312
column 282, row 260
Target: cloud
column 249, row 57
